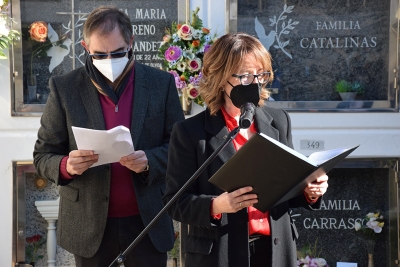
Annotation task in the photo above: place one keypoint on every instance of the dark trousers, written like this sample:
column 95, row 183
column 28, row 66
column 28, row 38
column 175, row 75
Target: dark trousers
column 118, row 235
column 261, row 252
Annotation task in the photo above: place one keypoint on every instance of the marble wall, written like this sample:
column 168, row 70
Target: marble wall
column 352, row 194
column 314, row 44
column 149, row 20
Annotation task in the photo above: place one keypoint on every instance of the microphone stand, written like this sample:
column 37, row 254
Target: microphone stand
column 121, row 257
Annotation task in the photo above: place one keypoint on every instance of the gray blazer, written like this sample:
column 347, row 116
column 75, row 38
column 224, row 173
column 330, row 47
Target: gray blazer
column 221, row 243
column 74, row 101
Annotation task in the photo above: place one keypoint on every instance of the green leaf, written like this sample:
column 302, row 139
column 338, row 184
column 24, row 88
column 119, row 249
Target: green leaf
column 196, row 23
column 2, row 55
column 42, row 53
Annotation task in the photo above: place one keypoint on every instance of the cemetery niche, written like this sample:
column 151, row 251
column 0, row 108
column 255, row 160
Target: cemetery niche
column 317, row 44
column 60, row 51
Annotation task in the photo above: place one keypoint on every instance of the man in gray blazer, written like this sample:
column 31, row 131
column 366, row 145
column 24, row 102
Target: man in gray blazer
column 104, row 208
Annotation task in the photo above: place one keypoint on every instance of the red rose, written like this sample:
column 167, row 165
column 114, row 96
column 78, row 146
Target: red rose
column 36, row 238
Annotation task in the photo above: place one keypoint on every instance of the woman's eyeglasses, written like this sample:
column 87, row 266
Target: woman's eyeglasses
column 246, row 79
column 112, row 54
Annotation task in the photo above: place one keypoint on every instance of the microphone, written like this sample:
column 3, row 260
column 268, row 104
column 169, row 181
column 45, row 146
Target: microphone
column 246, row 115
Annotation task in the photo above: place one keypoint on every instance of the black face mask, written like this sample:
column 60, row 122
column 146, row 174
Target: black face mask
column 242, row 94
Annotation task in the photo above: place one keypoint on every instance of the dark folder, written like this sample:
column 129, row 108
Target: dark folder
column 276, row 172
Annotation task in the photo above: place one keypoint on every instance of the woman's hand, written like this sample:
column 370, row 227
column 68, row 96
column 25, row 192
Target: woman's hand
column 317, row 188
column 234, row 201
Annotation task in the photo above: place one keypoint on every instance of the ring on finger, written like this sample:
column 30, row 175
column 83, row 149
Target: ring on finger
column 240, row 204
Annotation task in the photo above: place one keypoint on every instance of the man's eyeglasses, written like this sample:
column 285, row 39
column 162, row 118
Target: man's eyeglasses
column 112, row 54
column 246, row 79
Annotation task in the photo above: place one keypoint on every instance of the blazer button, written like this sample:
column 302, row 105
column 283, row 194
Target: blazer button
column 107, row 167
column 276, row 241
column 105, row 199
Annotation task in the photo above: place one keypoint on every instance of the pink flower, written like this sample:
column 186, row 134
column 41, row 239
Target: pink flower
column 185, row 32
column 166, row 38
column 38, row 31
column 192, row 91
column 195, row 64
column 173, row 53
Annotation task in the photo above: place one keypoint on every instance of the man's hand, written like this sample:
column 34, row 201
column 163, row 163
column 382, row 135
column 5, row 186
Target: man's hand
column 137, row 161
column 80, row 160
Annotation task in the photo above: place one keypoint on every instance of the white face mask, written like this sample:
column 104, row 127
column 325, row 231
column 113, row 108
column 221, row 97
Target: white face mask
column 111, row 68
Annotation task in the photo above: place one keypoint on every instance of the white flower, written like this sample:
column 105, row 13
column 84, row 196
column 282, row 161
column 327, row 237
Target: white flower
column 370, row 215
column 172, row 63
column 372, row 224
column 175, row 38
column 377, row 229
column 207, row 38
column 3, row 28
column 188, row 54
column 357, row 226
column 197, row 34
column 320, row 262
column 181, row 66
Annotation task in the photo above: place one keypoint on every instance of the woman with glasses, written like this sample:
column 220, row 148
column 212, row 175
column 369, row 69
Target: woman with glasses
column 224, row 229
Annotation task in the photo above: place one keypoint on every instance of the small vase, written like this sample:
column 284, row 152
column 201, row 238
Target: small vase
column 370, row 260
column 348, row 96
column 186, row 105
column 32, row 87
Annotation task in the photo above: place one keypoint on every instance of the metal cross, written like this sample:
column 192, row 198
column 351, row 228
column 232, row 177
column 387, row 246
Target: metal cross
column 73, row 14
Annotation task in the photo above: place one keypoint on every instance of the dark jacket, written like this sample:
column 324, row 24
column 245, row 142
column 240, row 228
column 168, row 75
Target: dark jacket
column 224, row 242
column 74, row 101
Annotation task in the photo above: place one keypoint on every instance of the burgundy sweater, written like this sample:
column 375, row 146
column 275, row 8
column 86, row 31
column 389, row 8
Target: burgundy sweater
column 122, row 198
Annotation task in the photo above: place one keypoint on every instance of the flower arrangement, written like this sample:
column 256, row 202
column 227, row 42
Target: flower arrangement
column 174, row 252
column 32, row 247
column 371, row 225
column 49, row 43
column 182, row 52
column 7, row 36
column 308, row 256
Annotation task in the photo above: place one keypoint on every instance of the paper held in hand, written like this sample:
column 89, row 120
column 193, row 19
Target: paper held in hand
column 111, row 145
column 276, row 172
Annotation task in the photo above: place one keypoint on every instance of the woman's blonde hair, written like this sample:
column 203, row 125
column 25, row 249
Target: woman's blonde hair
column 223, row 59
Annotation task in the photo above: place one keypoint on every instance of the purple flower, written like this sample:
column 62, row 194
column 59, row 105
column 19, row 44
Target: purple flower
column 195, row 79
column 173, row 53
column 206, row 47
column 179, row 83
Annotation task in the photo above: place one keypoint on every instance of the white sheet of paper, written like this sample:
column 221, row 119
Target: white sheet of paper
column 110, row 145
column 346, row 264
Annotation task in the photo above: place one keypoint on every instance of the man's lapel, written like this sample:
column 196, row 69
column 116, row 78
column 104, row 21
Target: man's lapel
column 140, row 102
column 91, row 101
